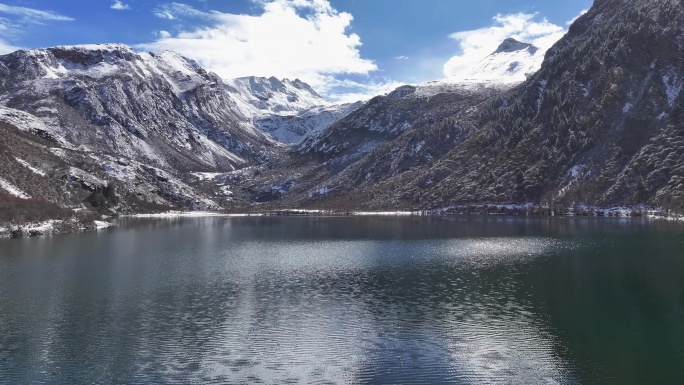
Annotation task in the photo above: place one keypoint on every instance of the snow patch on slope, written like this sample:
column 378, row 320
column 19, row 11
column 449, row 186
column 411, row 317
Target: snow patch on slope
column 30, row 167
column 179, row 71
column 31, row 124
column 673, row 87
column 13, row 190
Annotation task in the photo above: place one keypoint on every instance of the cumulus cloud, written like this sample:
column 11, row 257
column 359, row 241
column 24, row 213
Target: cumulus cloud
column 477, row 44
column 119, row 6
column 305, row 39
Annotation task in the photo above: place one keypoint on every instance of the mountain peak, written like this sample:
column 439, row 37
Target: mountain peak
column 513, row 45
column 510, row 63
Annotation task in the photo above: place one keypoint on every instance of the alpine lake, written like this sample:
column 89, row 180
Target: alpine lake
column 361, row 300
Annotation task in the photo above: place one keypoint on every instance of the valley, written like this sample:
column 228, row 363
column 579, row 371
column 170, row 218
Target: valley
column 592, row 125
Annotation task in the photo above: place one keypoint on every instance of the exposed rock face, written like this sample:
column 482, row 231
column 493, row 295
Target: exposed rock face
column 259, row 97
column 161, row 109
column 41, row 179
column 141, row 121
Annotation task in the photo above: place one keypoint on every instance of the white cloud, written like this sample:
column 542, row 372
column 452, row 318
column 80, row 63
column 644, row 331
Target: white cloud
column 119, row 6
column 477, row 44
column 305, row 39
column 17, row 20
column 6, row 48
column 348, row 91
column 33, row 15
column 401, row 57
column 164, row 15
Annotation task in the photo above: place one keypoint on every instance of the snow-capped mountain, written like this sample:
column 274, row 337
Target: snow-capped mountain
column 148, row 122
column 258, row 96
column 158, row 108
column 512, row 62
column 294, row 128
column 599, row 123
column 140, row 120
column 390, row 115
column 287, row 110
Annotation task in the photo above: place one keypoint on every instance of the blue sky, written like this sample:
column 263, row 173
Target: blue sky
column 344, row 48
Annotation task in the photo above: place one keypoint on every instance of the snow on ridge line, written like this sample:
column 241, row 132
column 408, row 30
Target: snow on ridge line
column 95, row 47
column 258, row 97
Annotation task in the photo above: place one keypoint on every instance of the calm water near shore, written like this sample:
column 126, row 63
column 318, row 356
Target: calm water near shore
column 387, row 300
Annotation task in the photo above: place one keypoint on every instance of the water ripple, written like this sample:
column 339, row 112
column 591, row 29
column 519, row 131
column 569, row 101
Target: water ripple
column 223, row 305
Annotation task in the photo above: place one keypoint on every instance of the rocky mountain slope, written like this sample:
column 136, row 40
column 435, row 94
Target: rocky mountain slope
column 293, row 128
column 151, row 129
column 141, row 122
column 394, row 133
column 161, row 109
column 598, row 124
column 260, row 97
column 415, row 108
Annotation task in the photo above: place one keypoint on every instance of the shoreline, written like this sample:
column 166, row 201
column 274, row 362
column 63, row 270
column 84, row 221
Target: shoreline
column 55, row 227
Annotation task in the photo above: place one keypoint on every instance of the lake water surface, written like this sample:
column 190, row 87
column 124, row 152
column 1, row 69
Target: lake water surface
column 480, row 300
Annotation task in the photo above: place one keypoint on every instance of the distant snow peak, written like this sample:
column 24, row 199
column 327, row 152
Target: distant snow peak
column 510, row 63
column 259, row 96
column 287, row 110
column 512, row 45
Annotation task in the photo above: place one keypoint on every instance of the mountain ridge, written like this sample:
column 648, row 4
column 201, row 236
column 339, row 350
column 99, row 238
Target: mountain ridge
column 598, row 124
column 593, row 126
